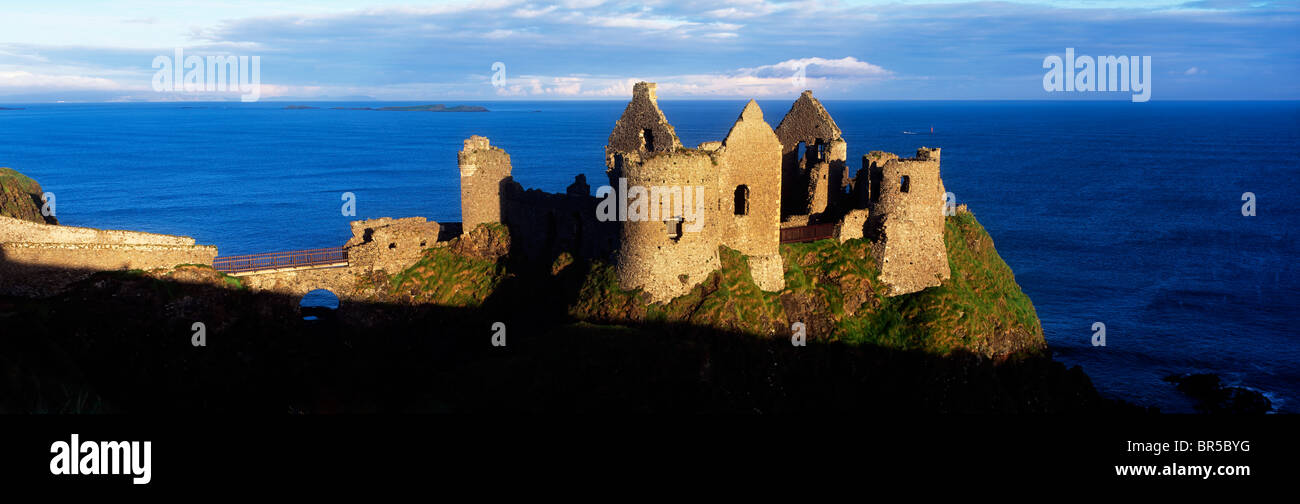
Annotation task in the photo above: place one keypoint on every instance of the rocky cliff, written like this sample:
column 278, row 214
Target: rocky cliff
column 20, row 197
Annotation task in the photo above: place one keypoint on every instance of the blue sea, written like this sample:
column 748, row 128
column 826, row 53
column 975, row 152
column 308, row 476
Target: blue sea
column 1114, row 212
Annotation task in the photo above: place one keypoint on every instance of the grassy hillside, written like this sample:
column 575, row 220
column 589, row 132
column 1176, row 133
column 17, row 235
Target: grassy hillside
column 832, row 289
column 20, row 197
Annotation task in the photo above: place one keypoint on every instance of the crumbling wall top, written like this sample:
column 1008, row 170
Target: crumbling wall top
column 807, row 121
column 476, row 142
column 642, row 125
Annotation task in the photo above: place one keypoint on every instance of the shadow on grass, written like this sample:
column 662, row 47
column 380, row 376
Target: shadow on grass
column 122, row 342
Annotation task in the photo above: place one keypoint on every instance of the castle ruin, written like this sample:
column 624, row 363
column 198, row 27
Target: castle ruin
column 678, row 205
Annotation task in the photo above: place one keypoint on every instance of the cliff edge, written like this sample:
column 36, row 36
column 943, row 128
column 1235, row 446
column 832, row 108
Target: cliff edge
column 20, row 197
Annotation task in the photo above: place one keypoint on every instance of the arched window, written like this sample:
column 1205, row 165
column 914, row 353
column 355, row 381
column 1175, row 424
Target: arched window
column 904, row 184
column 742, row 200
column 648, row 139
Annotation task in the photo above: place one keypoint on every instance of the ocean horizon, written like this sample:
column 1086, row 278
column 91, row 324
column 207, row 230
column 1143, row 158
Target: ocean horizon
column 1108, row 211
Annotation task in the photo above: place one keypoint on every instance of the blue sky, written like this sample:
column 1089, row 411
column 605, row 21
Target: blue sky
column 593, row 49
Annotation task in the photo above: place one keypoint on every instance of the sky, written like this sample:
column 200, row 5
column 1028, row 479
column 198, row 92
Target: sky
column 78, row 50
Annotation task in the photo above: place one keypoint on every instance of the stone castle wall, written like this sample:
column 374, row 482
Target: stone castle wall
column 17, row 230
column 542, row 225
column 483, row 168
column 750, row 163
column 389, row 244
column 650, row 258
column 341, row 281
column 40, row 259
column 42, row 269
column 908, row 223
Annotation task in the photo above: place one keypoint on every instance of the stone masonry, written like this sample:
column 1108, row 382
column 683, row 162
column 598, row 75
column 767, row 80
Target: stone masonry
column 40, row 259
column 749, row 186
column 482, row 170
column 907, row 223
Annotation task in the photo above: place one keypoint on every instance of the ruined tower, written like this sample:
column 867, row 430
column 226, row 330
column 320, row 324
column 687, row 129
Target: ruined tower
column 907, row 220
column 641, row 130
column 729, row 194
column 483, row 168
column 666, row 255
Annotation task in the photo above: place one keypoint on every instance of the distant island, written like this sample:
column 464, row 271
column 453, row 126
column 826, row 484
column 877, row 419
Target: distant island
column 437, row 107
column 7, row 108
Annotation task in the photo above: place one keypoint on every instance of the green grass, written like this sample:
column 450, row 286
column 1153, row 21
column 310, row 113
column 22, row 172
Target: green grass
column 234, row 282
column 446, row 278
column 728, row 299
column 18, row 196
column 980, row 308
column 981, row 299
column 10, row 177
column 830, row 285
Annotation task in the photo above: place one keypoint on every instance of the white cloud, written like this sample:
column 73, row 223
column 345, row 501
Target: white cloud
column 848, row 67
column 527, row 13
column 21, row 79
column 636, row 21
column 766, row 80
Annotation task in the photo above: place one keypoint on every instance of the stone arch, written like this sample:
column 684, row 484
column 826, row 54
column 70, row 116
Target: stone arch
column 319, row 304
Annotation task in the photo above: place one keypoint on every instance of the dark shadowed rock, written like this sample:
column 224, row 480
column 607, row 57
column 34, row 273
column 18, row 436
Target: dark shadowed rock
column 1213, row 397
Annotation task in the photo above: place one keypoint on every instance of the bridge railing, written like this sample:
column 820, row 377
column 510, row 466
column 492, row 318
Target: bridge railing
column 279, row 260
column 808, row 233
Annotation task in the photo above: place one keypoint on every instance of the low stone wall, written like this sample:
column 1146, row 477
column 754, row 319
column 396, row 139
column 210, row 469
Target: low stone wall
column 104, row 256
column 17, row 230
column 341, row 281
column 42, row 269
column 40, row 259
